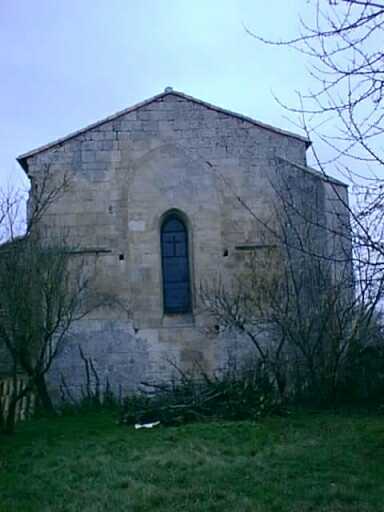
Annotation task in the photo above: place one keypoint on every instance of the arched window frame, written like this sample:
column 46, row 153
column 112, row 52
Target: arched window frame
column 187, row 308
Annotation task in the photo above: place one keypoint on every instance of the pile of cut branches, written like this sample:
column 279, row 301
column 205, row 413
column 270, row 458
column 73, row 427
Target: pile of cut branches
column 249, row 395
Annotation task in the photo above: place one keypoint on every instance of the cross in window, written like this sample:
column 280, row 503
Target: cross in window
column 173, row 244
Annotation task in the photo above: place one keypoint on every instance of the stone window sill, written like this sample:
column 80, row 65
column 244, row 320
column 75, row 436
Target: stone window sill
column 178, row 320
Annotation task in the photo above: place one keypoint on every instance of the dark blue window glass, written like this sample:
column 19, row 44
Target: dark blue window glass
column 175, row 265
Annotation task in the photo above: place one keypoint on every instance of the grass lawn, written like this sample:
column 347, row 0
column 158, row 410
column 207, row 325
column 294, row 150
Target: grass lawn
column 306, row 462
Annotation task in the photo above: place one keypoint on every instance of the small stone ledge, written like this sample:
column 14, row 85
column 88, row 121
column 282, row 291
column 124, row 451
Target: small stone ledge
column 178, row 320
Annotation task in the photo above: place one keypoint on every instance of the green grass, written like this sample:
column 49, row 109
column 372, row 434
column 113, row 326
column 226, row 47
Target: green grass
column 88, row 463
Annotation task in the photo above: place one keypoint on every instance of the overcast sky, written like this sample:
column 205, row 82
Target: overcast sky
column 66, row 63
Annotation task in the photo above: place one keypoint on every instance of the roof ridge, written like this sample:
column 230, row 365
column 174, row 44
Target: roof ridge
column 315, row 172
column 21, row 158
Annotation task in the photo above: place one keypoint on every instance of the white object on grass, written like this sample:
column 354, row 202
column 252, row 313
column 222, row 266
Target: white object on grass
column 147, row 425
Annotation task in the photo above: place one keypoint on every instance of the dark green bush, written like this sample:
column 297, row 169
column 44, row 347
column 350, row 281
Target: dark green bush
column 363, row 375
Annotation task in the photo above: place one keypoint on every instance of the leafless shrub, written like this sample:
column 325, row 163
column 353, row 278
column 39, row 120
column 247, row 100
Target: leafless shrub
column 299, row 302
column 45, row 286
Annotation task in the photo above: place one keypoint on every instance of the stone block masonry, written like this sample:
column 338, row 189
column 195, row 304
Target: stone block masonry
column 171, row 153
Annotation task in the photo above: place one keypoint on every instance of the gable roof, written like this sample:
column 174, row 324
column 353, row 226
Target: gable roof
column 22, row 159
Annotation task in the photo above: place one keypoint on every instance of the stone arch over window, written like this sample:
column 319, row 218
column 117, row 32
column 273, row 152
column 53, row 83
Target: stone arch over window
column 175, row 264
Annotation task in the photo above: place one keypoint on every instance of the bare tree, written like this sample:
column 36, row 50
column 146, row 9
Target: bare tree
column 45, row 286
column 42, row 292
column 302, row 323
column 344, row 109
column 10, row 200
column 314, row 309
column 297, row 301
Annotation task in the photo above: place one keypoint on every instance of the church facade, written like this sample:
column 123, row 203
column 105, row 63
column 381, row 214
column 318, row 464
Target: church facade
column 156, row 202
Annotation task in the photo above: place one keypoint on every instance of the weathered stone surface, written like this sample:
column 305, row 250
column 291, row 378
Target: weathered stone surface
column 125, row 175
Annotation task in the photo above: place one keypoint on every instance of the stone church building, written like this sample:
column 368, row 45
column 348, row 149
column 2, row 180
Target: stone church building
column 153, row 202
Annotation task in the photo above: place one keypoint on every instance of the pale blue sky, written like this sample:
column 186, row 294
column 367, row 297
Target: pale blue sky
column 66, row 63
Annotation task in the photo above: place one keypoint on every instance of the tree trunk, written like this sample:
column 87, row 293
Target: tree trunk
column 43, row 395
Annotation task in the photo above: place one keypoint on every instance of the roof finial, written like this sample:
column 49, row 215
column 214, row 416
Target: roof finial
column 168, row 89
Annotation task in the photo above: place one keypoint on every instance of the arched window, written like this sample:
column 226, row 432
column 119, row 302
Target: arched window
column 175, row 265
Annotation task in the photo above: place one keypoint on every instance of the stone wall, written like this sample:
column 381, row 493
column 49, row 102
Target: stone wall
column 125, row 174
